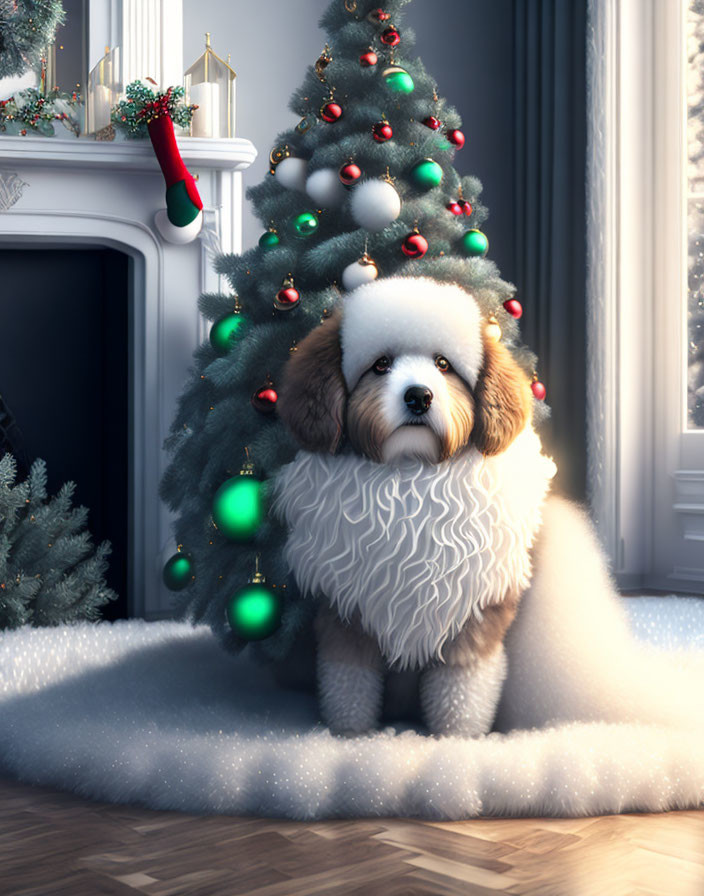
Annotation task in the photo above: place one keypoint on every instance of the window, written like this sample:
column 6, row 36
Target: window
column 646, row 311
column 695, row 206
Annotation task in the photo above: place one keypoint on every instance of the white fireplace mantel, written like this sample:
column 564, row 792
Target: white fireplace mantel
column 57, row 192
column 68, row 192
column 133, row 155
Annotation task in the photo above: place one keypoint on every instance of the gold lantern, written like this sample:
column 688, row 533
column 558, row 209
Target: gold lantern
column 103, row 91
column 210, row 84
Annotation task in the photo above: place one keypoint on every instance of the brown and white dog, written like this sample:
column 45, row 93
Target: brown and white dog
column 414, row 504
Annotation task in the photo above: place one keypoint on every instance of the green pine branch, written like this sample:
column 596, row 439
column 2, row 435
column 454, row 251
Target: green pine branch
column 50, row 573
column 27, row 27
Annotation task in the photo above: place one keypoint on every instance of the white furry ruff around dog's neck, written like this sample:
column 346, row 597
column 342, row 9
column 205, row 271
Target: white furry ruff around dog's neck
column 411, row 315
column 417, row 548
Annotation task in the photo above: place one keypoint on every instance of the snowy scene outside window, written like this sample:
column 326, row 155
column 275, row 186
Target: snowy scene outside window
column 695, row 207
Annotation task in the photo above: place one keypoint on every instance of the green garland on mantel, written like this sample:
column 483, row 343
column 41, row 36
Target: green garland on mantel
column 29, row 111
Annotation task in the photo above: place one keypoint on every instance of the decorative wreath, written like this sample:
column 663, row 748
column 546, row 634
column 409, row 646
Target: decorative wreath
column 27, row 27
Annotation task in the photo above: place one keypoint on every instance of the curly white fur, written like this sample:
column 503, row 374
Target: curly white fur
column 417, row 548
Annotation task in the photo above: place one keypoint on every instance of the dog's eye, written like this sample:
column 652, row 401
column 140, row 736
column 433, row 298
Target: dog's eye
column 442, row 364
column 382, row 365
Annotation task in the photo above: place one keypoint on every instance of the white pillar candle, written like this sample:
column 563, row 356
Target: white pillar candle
column 101, row 107
column 206, row 118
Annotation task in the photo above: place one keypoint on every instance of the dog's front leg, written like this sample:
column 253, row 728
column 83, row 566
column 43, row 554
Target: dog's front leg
column 460, row 695
column 350, row 675
column 462, row 699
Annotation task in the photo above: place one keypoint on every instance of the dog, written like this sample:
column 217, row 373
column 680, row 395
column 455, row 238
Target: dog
column 414, row 504
column 419, row 517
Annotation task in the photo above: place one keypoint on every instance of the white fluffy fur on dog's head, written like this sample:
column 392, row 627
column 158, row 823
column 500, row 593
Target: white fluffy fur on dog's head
column 410, row 316
column 391, row 340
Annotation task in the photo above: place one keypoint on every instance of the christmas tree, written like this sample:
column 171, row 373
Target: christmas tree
column 49, row 572
column 363, row 186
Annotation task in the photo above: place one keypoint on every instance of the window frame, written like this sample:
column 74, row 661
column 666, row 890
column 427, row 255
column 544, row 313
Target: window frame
column 645, row 474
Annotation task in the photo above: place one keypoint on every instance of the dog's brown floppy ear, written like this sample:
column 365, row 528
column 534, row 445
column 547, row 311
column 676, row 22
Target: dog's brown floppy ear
column 502, row 400
column 313, row 395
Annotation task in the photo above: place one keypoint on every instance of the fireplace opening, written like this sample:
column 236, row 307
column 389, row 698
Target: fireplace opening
column 65, row 362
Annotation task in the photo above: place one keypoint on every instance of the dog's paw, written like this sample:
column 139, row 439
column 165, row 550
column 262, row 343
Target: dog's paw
column 348, row 733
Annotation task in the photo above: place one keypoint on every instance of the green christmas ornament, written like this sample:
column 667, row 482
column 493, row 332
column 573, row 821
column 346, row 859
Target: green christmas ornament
column 179, row 206
column 254, row 612
column 475, row 243
column 269, row 239
column 305, row 224
column 178, row 571
column 227, row 330
column 238, row 505
column 398, row 80
column 426, row 174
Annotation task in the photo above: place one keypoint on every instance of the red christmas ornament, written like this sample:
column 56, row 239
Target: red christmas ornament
column 454, row 207
column 350, row 173
column 382, row 131
column 432, row 122
column 514, row 308
column 331, row 112
column 391, row 37
column 368, row 59
column 466, row 207
column 265, row 398
column 415, row 245
column 287, row 297
column 378, row 15
column 456, row 138
column 539, row 389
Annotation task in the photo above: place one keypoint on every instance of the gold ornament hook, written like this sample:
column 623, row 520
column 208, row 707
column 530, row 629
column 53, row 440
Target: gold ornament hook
column 258, row 578
column 351, row 5
column 322, row 62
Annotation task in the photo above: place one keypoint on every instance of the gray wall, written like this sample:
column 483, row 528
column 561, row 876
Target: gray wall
column 466, row 44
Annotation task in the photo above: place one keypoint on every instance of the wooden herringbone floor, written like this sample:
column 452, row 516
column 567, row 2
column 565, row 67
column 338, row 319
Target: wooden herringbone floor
column 56, row 844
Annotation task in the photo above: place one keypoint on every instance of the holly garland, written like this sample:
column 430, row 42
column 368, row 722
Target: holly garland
column 144, row 105
column 143, row 113
column 27, row 27
column 29, row 111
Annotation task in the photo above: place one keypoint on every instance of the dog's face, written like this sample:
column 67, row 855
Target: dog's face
column 410, row 405
column 405, row 403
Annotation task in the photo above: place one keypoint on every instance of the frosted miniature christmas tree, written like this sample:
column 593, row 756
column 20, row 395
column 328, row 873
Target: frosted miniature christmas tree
column 363, row 186
column 49, row 572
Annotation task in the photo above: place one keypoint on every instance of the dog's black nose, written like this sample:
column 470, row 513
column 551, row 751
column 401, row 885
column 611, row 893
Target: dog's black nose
column 418, row 399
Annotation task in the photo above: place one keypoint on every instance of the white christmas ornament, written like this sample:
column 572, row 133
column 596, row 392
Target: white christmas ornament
column 375, row 204
column 291, row 173
column 325, row 189
column 358, row 273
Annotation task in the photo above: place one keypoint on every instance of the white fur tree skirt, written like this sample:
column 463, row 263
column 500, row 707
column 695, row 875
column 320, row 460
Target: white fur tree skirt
column 157, row 714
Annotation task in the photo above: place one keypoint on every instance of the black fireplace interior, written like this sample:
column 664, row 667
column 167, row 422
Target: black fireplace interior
column 65, row 360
